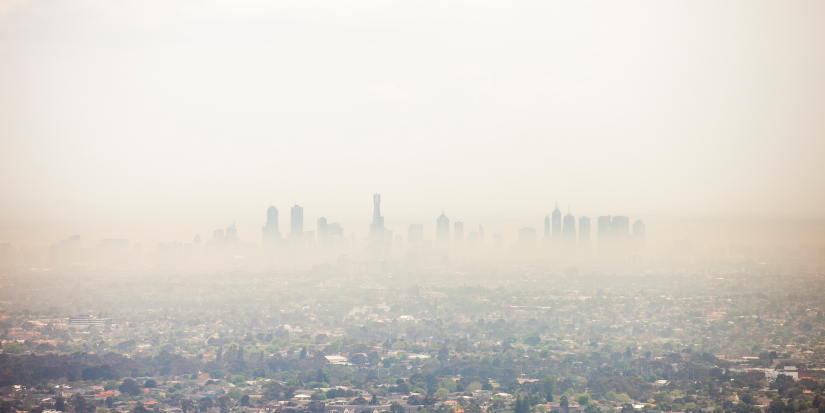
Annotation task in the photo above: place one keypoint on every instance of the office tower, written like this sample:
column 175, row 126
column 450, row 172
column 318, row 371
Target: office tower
column 458, row 232
column 480, row 235
column 472, row 239
column 498, row 241
column 442, row 230
column 639, row 235
column 269, row 233
column 547, row 226
column 322, row 229
column 584, row 236
column 620, row 228
column 333, row 232
column 196, row 248
column 415, row 235
column 620, row 233
column 527, row 239
column 557, row 224
column 231, row 234
column 603, row 232
column 568, row 234
column 377, row 226
column 296, row 222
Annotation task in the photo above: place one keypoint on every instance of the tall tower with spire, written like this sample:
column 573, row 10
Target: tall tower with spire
column 377, row 226
column 557, row 224
column 377, row 231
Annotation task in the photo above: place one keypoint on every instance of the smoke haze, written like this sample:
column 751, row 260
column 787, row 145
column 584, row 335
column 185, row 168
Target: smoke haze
column 155, row 121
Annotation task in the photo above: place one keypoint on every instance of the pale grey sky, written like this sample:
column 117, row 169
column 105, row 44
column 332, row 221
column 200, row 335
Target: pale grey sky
column 155, row 120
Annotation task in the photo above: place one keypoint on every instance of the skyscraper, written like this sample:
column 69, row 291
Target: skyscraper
column 377, row 226
column 620, row 234
column 605, row 240
column 322, row 230
column 639, row 235
column 269, row 233
column 297, row 222
column 569, row 234
column 458, row 232
column 415, row 235
column 442, row 230
column 584, row 236
column 557, row 224
column 527, row 239
column 231, row 234
column 547, row 226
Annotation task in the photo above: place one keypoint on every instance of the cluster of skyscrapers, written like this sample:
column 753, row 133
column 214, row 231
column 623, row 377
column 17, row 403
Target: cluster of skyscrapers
column 563, row 238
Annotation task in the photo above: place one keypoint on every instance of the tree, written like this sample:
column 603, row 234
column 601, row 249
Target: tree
column 564, row 402
column 303, row 354
column 204, row 404
column 359, row 359
column 223, row 402
column 360, row 401
column 592, row 408
column 776, row 406
column 187, row 405
column 245, row 400
column 130, row 386
column 583, row 399
column 521, row 406
column 548, row 387
column 316, row 406
column 395, row 407
column 60, row 404
column 150, row 384
column 80, row 405
column 374, row 401
column 628, row 408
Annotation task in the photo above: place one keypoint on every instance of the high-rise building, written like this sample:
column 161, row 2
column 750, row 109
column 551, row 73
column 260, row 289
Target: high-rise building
column 584, row 236
column 547, row 232
column 620, row 232
column 557, row 224
column 603, row 231
column 620, row 228
column 322, row 229
column 377, row 226
column 569, row 234
column 442, row 230
column 458, row 232
column 415, row 235
column 527, row 239
column 269, row 233
column 334, row 230
column 231, row 234
column 296, row 222
column 639, row 235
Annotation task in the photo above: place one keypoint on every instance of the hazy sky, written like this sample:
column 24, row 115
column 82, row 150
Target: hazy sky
column 155, row 120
